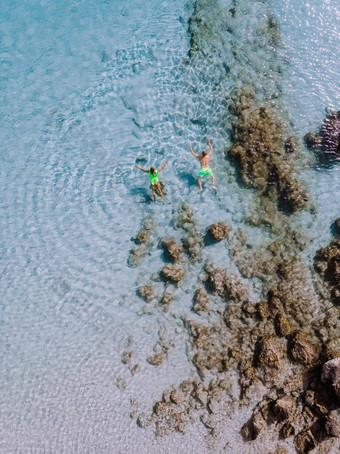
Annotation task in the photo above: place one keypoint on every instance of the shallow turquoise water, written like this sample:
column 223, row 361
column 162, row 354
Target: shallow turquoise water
column 86, row 88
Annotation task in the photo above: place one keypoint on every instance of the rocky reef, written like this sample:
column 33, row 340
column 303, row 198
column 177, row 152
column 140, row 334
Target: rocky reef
column 327, row 140
column 257, row 336
column 260, row 153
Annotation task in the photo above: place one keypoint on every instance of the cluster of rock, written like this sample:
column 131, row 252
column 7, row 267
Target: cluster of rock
column 143, row 242
column 262, row 155
column 328, row 139
column 271, row 350
column 327, row 264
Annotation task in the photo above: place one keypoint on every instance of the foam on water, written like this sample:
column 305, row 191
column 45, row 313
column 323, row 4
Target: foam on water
column 86, row 88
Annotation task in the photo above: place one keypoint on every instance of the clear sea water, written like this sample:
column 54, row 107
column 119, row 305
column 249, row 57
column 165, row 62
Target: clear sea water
column 86, row 88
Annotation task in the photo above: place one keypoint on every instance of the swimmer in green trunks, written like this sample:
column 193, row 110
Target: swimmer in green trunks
column 154, row 182
column 205, row 169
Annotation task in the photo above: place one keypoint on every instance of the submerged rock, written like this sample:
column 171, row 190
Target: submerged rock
column 260, row 154
column 147, row 292
column 136, row 255
column 201, row 300
column 269, row 356
column 252, row 429
column 173, row 273
column 166, row 299
column 172, row 249
column 283, row 407
column 328, row 140
column 302, row 350
column 157, row 359
column 219, row 231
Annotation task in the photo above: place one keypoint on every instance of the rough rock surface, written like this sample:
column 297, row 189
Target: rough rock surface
column 157, row 359
column 147, row 292
column 302, row 350
column 269, row 357
column 201, row 300
column 259, row 152
column 173, row 273
column 172, row 249
column 331, row 374
column 219, row 231
column 328, row 140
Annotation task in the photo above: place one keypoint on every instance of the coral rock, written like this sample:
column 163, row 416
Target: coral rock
column 219, row 231
column 172, row 249
column 147, row 292
column 201, row 300
column 173, row 273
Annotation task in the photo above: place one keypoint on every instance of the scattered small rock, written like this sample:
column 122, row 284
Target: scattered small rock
column 157, row 359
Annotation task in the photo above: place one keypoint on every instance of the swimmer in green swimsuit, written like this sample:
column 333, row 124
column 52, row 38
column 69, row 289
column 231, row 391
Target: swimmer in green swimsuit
column 205, row 169
column 154, row 182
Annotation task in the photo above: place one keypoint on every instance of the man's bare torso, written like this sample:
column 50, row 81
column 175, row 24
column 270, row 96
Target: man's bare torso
column 204, row 160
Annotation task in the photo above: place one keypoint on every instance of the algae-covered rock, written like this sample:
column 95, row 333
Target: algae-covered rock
column 261, row 157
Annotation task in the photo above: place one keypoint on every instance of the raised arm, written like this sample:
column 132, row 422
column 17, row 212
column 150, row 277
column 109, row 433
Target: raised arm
column 192, row 151
column 161, row 168
column 137, row 167
column 210, row 149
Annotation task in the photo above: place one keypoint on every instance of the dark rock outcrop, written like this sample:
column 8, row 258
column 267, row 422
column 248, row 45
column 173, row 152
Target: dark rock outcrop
column 328, row 140
column 331, row 374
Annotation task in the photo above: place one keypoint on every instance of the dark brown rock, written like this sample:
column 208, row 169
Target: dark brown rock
column 269, row 357
column 331, row 374
column 302, row 350
column 283, row 407
column 312, row 140
column 219, row 231
column 304, row 442
column 287, row 430
column 252, row 429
